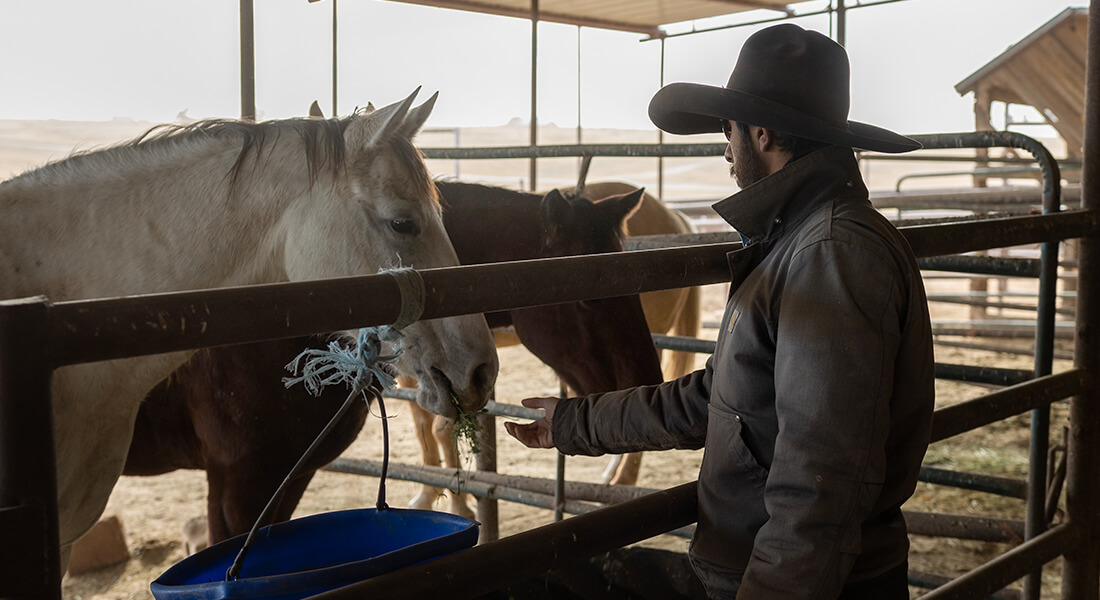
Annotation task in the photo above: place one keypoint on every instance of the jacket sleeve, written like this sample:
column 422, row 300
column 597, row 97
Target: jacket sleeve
column 838, row 334
column 654, row 417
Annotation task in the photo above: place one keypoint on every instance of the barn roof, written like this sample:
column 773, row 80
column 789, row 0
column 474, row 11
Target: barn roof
column 1046, row 70
column 642, row 16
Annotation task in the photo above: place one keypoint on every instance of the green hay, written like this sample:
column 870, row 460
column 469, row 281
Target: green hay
column 467, row 428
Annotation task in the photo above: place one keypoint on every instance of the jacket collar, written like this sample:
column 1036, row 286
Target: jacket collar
column 762, row 210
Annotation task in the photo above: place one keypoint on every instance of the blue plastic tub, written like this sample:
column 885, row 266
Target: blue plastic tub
column 314, row 554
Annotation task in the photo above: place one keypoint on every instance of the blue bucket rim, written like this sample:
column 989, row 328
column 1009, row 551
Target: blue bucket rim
column 462, row 536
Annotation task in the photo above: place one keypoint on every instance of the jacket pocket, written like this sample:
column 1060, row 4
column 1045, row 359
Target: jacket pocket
column 731, row 496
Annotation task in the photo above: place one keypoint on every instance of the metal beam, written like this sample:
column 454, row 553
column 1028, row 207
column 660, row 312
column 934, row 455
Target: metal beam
column 505, row 11
column 756, row 4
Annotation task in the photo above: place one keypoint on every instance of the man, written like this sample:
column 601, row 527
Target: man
column 815, row 409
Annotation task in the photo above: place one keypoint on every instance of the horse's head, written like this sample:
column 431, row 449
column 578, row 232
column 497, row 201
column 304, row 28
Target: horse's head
column 382, row 210
column 596, row 345
column 577, row 225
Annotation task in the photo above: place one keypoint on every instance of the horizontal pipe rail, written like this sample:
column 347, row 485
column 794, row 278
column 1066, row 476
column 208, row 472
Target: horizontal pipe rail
column 487, row 567
column 989, row 375
column 982, row 200
column 468, row 485
column 460, row 480
column 971, row 236
column 1010, row 566
column 496, row 409
column 991, row 484
column 968, row 139
column 969, row 373
column 985, row 265
column 925, row 580
column 575, row 150
column 964, row 527
column 958, row 418
column 91, row 330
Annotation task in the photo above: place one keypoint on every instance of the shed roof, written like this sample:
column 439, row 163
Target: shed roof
column 1046, row 70
column 642, row 16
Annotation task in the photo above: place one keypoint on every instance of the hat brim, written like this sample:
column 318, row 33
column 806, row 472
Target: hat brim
column 690, row 108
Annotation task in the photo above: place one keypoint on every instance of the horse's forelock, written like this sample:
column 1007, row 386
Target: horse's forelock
column 412, row 163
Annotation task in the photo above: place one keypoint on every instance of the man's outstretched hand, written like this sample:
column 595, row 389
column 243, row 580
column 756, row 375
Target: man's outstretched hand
column 537, row 434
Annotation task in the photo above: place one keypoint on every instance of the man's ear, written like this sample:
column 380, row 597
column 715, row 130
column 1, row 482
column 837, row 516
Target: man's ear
column 763, row 139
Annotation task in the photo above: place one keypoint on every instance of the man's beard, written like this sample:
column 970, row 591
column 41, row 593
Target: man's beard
column 747, row 167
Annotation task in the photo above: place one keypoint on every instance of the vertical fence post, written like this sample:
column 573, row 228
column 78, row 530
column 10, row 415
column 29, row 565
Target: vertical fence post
column 1081, row 567
column 30, row 565
column 486, row 460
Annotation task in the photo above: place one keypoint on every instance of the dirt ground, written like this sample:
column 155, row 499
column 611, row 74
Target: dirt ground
column 153, row 509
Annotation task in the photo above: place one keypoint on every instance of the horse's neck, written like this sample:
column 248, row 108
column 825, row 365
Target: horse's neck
column 511, row 219
column 102, row 226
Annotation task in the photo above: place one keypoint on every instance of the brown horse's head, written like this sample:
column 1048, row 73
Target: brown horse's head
column 594, row 345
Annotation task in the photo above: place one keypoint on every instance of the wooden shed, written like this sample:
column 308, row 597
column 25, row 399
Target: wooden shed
column 1045, row 70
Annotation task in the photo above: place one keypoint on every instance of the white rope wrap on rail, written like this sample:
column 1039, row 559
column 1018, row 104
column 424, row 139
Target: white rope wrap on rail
column 411, row 286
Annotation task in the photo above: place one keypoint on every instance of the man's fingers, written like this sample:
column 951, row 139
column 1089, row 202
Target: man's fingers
column 537, row 402
column 530, row 435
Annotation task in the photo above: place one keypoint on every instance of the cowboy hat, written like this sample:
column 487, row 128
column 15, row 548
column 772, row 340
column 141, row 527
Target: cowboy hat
column 787, row 79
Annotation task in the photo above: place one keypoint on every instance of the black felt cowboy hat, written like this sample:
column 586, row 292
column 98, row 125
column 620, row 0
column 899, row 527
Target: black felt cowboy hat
column 787, row 79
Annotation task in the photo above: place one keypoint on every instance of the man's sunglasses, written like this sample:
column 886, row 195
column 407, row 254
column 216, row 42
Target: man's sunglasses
column 727, row 127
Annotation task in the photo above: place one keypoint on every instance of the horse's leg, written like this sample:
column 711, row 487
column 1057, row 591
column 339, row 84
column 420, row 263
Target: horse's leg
column 236, row 500
column 217, row 525
column 611, row 469
column 627, row 473
column 429, row 452
column 624, row 470
column 444, row 431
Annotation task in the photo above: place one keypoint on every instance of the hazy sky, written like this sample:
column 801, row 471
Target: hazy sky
column 151, row 59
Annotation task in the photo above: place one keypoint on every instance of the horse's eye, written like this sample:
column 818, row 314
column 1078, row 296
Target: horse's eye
column 405, row 226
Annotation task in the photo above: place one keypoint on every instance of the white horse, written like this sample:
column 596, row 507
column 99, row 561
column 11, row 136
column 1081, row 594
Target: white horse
column 216, row 204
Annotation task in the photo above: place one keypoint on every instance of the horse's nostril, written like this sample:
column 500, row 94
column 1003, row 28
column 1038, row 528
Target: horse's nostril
column 485, row 377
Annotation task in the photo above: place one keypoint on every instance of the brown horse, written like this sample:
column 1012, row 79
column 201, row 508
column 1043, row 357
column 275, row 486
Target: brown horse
column 673, row 312
column 227, row 412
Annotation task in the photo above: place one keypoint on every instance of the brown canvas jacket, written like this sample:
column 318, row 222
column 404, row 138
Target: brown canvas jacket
column 815, row 409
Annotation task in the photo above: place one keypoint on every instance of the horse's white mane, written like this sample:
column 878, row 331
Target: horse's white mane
column 172, row 143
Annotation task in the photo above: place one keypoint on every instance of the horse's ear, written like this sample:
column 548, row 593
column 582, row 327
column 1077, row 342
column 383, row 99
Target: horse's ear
column 557, row 211
column 372, row 129
column 621, row 207
column 417, row 116
column 315, row 111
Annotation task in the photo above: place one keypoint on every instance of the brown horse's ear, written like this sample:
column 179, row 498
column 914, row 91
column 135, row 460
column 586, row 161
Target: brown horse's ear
column 557, row 212
column 620, row 207
column 315, row 111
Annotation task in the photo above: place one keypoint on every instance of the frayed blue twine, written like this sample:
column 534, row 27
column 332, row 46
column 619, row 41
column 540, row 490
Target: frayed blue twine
column 355, row 366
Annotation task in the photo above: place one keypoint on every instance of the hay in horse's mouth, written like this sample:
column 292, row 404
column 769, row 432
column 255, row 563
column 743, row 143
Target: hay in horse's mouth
column 467, row 428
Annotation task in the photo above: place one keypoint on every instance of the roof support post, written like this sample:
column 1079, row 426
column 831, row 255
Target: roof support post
column 1081, row 565
column 534, row 90
column 248, row 62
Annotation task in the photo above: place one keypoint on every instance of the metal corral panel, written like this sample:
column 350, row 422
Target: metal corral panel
column 643, row 16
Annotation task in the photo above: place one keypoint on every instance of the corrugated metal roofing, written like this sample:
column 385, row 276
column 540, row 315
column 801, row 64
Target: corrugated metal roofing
column 642, row 16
